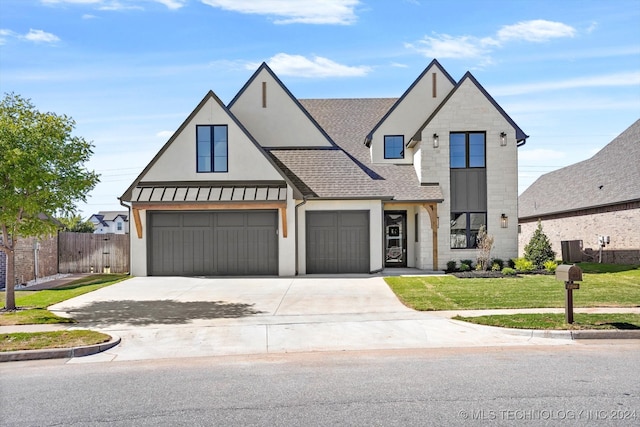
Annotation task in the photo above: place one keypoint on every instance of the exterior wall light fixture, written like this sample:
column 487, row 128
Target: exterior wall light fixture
column 504, row 221
column 503, row 139
column 436, row 143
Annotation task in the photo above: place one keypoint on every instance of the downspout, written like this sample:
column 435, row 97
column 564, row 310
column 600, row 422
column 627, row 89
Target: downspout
column 129, row 217
column 304, row 201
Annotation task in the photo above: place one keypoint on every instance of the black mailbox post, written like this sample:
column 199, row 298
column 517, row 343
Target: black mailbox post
column 569, row 274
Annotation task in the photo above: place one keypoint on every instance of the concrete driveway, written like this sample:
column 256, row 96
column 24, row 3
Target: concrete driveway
column 164, row 317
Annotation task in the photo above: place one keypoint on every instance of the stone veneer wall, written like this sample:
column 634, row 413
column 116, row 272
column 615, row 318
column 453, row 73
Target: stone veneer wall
column 621, row 223
column 25, row 259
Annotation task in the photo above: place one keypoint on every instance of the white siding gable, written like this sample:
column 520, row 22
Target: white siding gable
column 177, row 161
column 274, row 117
column 413, row 108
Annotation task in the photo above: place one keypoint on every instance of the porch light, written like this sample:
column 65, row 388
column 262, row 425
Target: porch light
column 504, row 221
column 503, row 139
column 435, row 140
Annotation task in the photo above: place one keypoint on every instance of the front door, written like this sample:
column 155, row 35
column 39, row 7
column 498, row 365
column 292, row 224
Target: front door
column 395, row 238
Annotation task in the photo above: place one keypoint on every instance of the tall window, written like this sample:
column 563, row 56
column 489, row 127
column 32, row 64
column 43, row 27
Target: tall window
column 394, row 147
column 464, row 229
column 467, row 150
column 468, row 188
column 212, row 148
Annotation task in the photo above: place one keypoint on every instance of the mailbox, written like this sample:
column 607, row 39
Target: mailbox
column 568, row 273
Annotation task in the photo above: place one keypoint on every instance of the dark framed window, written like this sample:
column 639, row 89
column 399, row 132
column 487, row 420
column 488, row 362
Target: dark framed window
column 212, row 146
column 394, row 146
column 465, row 227
column 467, row 150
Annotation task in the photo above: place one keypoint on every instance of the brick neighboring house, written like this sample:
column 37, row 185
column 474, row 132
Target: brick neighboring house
column 34, row 258
column 116, row 222
column 596, row 197
column 274, row 185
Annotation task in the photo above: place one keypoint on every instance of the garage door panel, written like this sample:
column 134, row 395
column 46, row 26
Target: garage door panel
column 338, row 242
column 213, row 243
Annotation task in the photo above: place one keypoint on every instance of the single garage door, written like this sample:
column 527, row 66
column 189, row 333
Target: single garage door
column 228, row 243
column 337, row 242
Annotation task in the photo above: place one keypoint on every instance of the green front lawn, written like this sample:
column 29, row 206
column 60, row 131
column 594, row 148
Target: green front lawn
column 33, row 304
column 603, row 286
column 557, row 321
column 57, row 339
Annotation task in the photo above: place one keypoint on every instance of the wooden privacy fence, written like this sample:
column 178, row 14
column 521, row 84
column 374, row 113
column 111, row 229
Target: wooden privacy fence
column 86, row 253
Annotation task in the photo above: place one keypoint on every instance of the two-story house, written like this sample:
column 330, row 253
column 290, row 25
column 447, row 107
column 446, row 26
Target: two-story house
column 116, row 222
column 274, row 185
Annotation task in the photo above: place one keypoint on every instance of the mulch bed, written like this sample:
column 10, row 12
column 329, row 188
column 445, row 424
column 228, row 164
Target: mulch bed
column 479, row 274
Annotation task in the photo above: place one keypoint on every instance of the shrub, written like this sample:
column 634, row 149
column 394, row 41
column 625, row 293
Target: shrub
column 468, row 262
column 485, row 243
column 496, row 267
column 539, row 248
column 508, row 271
column 451, row 266
column 497, row 261
column 550, row 266
column 523, row 264
column 512, row 263
column 465, row 267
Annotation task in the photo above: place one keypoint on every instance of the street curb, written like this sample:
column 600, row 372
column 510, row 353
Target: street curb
column 59, row 353
column 587, row 334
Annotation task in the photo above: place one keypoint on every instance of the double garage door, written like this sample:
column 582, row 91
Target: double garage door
column 221, row 243
column 337, row 242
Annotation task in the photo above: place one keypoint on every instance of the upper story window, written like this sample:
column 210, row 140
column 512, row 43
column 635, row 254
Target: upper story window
column 394, row 146
column 467, row 150
column 119, row 226
column 212, row 148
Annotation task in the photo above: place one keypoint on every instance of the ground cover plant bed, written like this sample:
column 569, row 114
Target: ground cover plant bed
column 55, row 339
column 607, row 321
column 32, row 305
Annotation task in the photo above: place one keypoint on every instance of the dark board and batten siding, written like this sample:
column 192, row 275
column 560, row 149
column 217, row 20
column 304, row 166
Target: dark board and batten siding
column 229, row 243
column 337, row 242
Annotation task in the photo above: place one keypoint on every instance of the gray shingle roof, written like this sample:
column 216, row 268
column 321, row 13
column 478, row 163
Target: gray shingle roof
column 347, row 122
column 610, row 177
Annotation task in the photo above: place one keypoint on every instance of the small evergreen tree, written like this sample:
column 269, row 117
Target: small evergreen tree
column 538, row 250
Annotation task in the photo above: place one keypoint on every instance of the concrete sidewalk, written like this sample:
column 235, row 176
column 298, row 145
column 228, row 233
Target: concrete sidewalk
column 194, row 317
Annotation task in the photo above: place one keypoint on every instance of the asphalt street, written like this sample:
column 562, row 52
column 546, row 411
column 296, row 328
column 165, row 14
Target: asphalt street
column 595, row 383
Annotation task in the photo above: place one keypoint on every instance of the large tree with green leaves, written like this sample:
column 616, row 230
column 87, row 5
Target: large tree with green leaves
column 43, row 175
column 75, row 224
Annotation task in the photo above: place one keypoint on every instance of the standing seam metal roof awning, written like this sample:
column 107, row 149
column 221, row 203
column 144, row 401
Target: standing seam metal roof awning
column 200, row 193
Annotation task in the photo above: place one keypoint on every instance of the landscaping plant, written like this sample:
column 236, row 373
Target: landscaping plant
column 538, row 250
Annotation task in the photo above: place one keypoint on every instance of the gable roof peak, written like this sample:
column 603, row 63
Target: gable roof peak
column 432, row 64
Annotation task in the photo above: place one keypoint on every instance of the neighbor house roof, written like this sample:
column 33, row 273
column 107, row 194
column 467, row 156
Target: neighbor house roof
column 612, row 176
column 104, row 216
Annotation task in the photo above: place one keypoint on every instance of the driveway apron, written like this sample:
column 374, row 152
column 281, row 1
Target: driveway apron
column 165, row 317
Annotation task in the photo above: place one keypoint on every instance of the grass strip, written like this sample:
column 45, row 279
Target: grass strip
column 56, row 339
column 33, row 304
column 626, row 321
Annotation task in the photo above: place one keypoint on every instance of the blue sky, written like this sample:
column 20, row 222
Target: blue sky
column 130, row 71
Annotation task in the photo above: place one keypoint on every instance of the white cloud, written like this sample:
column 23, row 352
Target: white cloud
column 164, row 134
column 39, row 36
column 118, row 5
column 535, row 31
column 446, row 46
column 36, row 36
column 299, row 66
column 339, row 12
column 460, row 47
column 608, row 80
